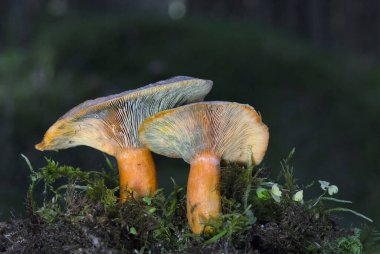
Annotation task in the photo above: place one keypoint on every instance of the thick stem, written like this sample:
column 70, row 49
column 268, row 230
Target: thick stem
column 203, row 191
column 137, row 173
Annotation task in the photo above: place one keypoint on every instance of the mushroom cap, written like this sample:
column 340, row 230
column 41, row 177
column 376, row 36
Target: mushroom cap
column 226, row 129
column 112, row 122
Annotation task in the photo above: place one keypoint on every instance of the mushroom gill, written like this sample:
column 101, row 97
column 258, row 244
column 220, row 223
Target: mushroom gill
column 110, row 124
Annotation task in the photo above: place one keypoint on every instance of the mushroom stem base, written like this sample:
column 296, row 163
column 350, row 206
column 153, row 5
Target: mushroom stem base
column 137, row 173
column 203, row 193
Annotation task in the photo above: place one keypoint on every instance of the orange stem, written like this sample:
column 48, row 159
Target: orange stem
column 137, row 173
column 203, row 194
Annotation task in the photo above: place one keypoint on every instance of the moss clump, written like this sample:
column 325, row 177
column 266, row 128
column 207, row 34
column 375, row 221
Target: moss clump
column 79, row 213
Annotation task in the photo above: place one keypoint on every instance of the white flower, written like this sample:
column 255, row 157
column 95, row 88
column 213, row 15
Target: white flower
column 324, row 184
column 333, row 189
column 276, row 192
column 298, row 196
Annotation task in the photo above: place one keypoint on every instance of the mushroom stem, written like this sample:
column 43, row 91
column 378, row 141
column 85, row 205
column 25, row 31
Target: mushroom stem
column 137, row 173
column 203, row 194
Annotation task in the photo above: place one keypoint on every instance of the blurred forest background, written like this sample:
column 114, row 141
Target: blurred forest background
column 311, row 67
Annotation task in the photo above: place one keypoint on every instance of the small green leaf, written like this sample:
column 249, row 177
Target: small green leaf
column 28, row 163
column 152, row 210
column 109, row 163
column 216, row 237
column 262, row 193
column 342, row 209
column 133, row 231
column 336, row 200
column 147, row 200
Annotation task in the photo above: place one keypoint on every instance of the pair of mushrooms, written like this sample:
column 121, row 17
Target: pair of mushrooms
column 131, row 124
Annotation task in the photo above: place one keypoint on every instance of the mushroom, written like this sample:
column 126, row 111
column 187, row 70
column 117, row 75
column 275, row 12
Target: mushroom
column 203, row 134
column 110, row 124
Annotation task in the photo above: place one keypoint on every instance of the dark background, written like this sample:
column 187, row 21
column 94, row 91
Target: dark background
column 309, row 67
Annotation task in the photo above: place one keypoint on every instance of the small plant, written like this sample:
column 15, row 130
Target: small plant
column 67, row 190
column 81, row 209
column 332, row 190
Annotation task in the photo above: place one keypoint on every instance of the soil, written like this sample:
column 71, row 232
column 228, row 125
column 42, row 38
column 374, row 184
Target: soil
column 286, row 234
column 86, row 218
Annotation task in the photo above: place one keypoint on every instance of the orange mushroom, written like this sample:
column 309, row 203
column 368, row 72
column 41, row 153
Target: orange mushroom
column 110, row 124
column 203, row 134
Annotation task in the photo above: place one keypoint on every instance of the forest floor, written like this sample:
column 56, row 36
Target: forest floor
column 79, row 213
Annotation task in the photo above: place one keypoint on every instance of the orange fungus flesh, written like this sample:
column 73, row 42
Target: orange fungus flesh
column 203, row 194
column 137, row 173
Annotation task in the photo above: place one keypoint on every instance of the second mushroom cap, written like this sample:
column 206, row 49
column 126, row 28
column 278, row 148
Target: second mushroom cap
column 226, row 129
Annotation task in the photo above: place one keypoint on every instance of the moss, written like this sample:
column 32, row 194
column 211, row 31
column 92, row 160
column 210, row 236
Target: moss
column 79, row 212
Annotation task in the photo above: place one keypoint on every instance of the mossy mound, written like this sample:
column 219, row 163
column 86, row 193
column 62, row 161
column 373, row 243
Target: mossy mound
column 80, row 213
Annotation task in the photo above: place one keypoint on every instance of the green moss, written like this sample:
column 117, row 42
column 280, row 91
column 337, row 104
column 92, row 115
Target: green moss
column 81, row 210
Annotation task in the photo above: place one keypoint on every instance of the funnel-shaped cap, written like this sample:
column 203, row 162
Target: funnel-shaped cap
column 225, row 129
column 112, row 122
